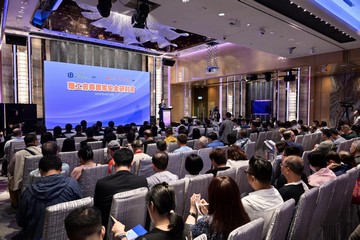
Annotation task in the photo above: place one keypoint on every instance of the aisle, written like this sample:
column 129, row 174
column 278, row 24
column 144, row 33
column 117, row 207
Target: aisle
column 8, row 227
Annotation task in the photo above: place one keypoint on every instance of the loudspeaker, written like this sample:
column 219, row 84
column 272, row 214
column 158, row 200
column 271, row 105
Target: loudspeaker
column 15, row 40
column 168, row 62
column 289, row 78
column 268, row 77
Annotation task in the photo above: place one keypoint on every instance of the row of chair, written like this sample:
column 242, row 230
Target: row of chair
column 321, row 212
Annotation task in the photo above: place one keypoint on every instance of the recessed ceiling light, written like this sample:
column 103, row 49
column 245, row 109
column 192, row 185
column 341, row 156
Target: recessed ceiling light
column 272, row 33
column 221, row 14
column 248, row 25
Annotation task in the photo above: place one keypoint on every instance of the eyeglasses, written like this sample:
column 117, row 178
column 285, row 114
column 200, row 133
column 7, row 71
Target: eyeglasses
column 283, row 165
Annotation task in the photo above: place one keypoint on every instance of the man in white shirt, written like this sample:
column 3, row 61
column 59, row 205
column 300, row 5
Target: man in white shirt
column 138, row 149
column 265, row 199
column 159, row 164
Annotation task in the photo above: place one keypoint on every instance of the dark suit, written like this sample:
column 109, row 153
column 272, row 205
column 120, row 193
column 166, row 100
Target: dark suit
column 106, row 187
column 161, row 108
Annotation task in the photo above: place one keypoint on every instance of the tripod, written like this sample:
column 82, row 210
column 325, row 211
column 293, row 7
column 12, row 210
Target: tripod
column 345, row 113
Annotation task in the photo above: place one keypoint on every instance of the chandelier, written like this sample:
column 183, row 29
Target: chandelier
column 122, row 25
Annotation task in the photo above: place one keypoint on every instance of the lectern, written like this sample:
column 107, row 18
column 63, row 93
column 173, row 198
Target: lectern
column 165, row 114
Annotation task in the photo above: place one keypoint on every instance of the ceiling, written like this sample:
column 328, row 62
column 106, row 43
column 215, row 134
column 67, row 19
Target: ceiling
column 246, row 23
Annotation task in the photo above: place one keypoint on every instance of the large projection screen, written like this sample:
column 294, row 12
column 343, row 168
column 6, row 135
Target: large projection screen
column 74, row 92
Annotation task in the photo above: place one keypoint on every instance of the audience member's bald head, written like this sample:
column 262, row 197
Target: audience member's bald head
column 295, row 164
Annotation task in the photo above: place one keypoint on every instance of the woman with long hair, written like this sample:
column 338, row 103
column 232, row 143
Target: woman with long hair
column 167, row 224
column 222, row 214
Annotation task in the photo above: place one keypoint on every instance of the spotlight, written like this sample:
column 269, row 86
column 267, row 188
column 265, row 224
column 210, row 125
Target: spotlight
column 267, row 76
column 104, row 7
column 138, row 20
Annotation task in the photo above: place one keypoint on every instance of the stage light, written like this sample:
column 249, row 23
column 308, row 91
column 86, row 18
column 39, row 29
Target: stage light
column 138, row 20
column 104, row 7
column 268, row 76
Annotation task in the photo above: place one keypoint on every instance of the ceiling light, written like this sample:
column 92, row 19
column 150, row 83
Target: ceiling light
column 248, row 25
column 221, row 14
column 138, row 20
column 185, row 1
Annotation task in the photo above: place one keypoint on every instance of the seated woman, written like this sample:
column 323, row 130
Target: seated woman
column 193, row 165
column 86, row 156
column 225, row 211
column 236, row 157
column 167, row 224
column 68, row 145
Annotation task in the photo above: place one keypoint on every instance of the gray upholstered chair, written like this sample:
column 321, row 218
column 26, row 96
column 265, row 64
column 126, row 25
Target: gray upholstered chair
column 89, row 177
column 330, row 225
column 299, row 227
column 259, row 148
column 145, row 168
column 307, row 142
column 95, row 145
column 179, row 187
column 174, row 164
column 345, row 215
column 306, row 162
column 299, row 139
column 249, row 231
column 99, row 155
column 151, row 149
column 204, row 154
column 269, row 135
column 198, row 184
column 231, row 172
column 171, row 146
column 280, row 222
column 326, row 192
column 31, row 163
column 70, row 158
column 129, row 208
column 253, row 137
column 250, row 149
column 54, row 228
column 242, row 181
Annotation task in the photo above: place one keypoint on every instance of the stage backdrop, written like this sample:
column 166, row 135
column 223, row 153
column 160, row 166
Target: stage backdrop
column 74, row 92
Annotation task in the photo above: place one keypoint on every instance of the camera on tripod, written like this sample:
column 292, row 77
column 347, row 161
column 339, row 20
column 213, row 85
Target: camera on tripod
column 346, row 104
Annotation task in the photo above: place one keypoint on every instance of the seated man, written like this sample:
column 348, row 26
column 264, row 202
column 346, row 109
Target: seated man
column 169, row 135
column 318, row 164
column 243, row 140
column 292, row 168
column 149, row 138
column 139, row 155
column 52, row 188
column 112, row 147
column 16, row 167
column 289, row 138
column 218, row 161
column 84, row 223
column 123, row 180
column 182, row 140
column 159, row 164
column 213, row 141
column 265, row 199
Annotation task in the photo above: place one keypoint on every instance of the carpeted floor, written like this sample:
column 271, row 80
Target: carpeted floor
column 8, row 227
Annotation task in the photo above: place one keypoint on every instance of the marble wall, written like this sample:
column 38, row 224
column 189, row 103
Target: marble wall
column 344, row 88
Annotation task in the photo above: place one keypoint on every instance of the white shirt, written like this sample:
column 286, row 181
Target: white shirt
column 262, row 203
column 236, row 163
column 159, row 177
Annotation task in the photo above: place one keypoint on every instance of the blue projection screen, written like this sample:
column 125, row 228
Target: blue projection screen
column 76, row 92
column 261, row 107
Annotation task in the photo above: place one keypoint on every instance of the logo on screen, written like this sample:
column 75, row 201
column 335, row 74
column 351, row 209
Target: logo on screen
column 70, row 75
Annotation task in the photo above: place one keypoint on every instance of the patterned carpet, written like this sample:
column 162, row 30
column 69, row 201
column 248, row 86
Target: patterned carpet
column 8, row 227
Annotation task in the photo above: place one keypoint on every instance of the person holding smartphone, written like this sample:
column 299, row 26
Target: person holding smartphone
column 221, row 215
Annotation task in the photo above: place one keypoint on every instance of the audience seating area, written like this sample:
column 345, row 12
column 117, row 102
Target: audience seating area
column 322, row 213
